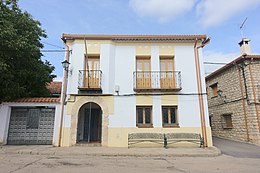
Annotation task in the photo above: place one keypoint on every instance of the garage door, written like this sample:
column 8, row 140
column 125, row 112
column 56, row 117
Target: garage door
column 31, row 126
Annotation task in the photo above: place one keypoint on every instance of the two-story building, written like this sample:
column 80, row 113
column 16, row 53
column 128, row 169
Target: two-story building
column 120, row 84
column 234, row 97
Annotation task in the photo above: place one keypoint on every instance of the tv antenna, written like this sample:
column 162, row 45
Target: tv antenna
column 241, row 27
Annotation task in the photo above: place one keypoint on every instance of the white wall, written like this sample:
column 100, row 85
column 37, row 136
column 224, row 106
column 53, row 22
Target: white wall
column 157, row 111
column 76, row 64
column 124, row 68
column 4, row 122
column 124, row 112
column 188, row 105
column 112, row 68
column 202, row 71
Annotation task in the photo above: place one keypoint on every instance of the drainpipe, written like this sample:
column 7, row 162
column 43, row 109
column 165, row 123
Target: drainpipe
column 64, row 91
column 199, row 84
column 244, row 80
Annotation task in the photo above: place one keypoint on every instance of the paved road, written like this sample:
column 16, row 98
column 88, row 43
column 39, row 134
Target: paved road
column 65, row 164
column 237, row 149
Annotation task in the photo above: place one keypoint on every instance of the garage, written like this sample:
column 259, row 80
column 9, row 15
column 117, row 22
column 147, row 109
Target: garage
column 31, row 125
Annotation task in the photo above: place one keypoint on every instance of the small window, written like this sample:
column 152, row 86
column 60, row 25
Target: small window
column 169, row 116
column 227, row 121
column 144, row 116
column 214, row 89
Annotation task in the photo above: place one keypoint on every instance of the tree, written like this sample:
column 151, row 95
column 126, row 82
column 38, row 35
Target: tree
column 22, row 72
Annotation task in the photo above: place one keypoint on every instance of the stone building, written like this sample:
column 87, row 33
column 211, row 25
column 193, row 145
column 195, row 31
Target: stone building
column 234, row 98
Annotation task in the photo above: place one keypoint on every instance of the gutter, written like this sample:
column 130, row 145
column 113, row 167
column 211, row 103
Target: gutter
column 199, row 85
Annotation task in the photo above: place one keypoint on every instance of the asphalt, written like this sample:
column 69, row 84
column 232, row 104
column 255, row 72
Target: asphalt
column 236, row 148
column 108, row 151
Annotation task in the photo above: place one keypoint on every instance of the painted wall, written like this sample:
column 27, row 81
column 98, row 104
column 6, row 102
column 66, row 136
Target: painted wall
column 5, row 113
column 117, row 62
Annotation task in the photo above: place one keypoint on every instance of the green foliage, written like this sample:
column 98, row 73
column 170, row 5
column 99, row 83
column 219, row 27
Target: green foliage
column 22, row 72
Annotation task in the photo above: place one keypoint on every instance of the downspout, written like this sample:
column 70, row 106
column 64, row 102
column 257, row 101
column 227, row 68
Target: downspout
column 244, row 80
column 254, row 94
column 64, row 91
column 243, row 102
column 199, row 85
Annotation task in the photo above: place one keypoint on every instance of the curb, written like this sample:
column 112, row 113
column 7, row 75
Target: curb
column 214, row 152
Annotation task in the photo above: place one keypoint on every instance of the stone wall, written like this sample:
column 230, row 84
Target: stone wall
column 235, row 101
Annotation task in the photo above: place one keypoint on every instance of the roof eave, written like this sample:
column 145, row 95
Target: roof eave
column 232, row 63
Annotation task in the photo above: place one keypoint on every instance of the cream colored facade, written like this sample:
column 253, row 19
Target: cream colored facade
column 119, row 96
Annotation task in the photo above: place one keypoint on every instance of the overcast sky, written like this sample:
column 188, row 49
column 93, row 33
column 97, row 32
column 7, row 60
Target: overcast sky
column 218, row 19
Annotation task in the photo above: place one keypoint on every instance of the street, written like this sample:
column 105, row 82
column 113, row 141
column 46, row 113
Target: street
column 236, row 157
column 237, row 149
column 34, row 163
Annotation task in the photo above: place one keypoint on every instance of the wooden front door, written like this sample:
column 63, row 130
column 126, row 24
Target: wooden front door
column 167, row 78
column 143, row 73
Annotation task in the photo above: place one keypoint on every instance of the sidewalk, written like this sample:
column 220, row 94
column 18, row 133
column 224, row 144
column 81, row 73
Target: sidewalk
column 108, row 151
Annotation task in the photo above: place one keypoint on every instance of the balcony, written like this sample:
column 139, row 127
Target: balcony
column 157, row 81
column 90, row 80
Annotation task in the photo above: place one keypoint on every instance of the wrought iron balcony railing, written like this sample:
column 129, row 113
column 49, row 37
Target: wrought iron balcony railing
column 90, row 79
column 157, row 80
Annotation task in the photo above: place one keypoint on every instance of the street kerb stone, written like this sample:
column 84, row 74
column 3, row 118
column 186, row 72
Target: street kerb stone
column 113, row 152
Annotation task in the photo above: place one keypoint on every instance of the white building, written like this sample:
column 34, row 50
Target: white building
column 120, row 84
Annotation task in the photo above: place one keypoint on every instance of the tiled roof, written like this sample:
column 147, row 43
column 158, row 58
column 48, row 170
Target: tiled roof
column 38, row 100
column 232, row 63
column 55, row 87
column 132, row 37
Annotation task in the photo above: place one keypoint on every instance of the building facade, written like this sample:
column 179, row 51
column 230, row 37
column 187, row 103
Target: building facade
column 121, row 84
column 234, row 98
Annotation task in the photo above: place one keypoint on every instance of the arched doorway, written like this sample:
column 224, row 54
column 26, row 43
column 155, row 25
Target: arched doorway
column 89, row 123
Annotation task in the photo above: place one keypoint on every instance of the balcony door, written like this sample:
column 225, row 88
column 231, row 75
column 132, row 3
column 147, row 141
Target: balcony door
column 167, row 78
column 92, row 74
column 143, row 72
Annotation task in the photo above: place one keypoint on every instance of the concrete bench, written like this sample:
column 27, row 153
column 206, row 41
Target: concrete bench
column 134, row 138
column 184, row 137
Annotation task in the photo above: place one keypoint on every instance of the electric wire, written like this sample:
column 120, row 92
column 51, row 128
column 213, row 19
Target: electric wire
column 52, row 44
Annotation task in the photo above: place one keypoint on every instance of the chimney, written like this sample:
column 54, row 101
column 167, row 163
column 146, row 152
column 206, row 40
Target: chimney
column 245, row 46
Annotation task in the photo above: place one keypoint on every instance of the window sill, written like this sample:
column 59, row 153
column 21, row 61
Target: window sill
column 227, row 128
column 214, row 97
column 171, row 126
column 144, row 126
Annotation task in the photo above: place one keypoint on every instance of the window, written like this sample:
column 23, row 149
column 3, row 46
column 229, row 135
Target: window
column 144, row 116
column 169, row 116
column 167, row 74
column 227, row 121
column 143, row 72
column 92, row 72
column 214, row 88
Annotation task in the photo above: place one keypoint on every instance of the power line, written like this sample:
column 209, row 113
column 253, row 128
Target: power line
column 41, row 50
column 52, row 44
column 215, row 63
column 52, row 50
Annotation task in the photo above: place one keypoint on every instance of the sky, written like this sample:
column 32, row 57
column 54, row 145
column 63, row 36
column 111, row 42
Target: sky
column 218, row 19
